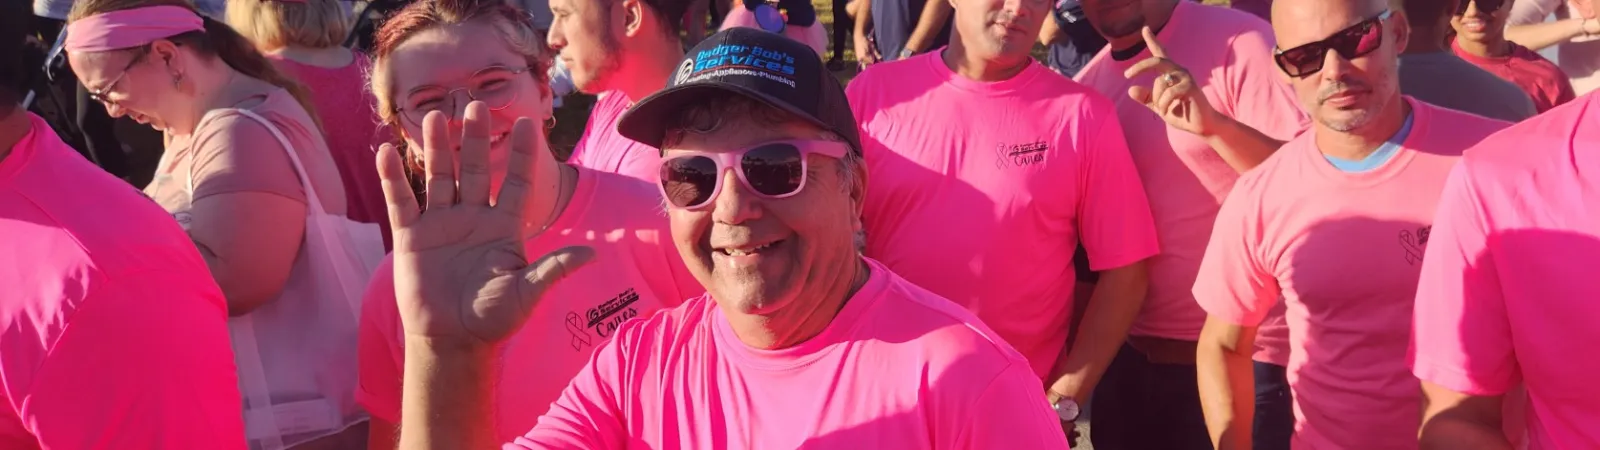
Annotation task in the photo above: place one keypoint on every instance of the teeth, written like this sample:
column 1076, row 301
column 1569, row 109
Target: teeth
column 738, row 252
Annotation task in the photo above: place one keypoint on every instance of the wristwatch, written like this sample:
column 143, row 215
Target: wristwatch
column 906, row 53
column 1067, row 409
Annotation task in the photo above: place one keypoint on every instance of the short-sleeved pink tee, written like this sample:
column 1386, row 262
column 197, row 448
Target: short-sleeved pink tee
column 980, row 192
column 1508, row 291
column 1344, row 251
column 1229, row 52
column 1540, row 78
column 112, row 334
column 602, row 148
column 898, row 368
column 636, row 271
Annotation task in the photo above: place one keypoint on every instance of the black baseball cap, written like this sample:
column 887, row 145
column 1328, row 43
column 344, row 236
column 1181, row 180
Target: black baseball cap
column 765, row 66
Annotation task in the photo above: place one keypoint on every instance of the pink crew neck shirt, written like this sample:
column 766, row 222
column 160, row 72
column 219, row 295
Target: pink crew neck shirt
column 636, row 271
column 602, row 148
column 980, row 192
column 1540, row 78
column 1229, row 52
column 1509, row 289
column 112, row 334
column 898, row 368
column 1344, row 251
column 350, row 128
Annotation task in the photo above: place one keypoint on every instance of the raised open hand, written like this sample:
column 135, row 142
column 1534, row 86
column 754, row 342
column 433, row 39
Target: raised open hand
column 1174, row 96
column 460, row 270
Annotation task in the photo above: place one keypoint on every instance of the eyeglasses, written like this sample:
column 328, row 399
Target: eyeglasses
column 772, row 170
column 495, row 86
column 1354, row 42
column 1484, row 6
column 101, row 94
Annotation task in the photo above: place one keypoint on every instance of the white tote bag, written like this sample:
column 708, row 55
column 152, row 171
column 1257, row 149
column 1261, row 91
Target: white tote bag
column 296, row 355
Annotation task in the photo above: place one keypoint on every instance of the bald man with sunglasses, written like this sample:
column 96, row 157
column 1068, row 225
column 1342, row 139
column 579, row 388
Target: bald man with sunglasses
column 1334, row 224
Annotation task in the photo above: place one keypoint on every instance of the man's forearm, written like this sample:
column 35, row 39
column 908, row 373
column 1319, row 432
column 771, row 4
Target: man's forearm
column 448, row 397
column 1226, row 379
column 1241, row 146
column 1538, row 36
column 934, row 15
column 863, row 19
column 1117, row 298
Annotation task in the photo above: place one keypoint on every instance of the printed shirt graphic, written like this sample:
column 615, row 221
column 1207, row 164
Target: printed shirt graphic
column 1509, row 288
column 897, row 368
column 636, row 271
column 114, row 335
column 1229, row 53
column 980, row 192
column 1342, row 249
column 603, row 149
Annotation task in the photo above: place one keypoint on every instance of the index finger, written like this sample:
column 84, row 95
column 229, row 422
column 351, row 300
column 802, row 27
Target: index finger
column 1150, row 42
column 1153, row 62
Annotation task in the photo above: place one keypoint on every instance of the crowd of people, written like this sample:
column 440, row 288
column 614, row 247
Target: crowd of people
column 1208, row 225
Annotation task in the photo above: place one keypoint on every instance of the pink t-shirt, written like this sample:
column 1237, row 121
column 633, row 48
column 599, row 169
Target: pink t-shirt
column 1509, row 290
column 1229, row 52
column 602, row 148
column 351, row 130
column 1539, row 77
column 112, row 334
column 636, row 271
column 980, row 192
column 898, row 368
column 1343, row 250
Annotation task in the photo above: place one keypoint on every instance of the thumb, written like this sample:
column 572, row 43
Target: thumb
column 1140, row 94
column 540, row 275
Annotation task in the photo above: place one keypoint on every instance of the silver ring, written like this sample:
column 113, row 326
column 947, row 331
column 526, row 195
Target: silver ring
column 1170, row 78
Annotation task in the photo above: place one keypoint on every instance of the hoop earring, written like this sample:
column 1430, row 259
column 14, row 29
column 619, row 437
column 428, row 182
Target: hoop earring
column 550, row 123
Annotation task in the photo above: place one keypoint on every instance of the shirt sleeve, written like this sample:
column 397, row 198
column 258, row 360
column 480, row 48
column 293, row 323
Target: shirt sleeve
column 127, row 374
column 1232, row 284
column 1114, row 219
column 1011, row 413
column 1261, row 100
column 588, row 416
column 379, row 357
column 234, row 153
column 1461, row 338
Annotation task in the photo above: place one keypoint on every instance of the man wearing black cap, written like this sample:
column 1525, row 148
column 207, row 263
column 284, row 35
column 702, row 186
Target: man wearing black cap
column 800, row 341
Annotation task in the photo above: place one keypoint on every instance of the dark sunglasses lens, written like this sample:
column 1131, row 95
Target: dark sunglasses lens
column 689, row 181
column 773, row 169
column 1303, row 60
column 1360, row 40
column 1486, row 6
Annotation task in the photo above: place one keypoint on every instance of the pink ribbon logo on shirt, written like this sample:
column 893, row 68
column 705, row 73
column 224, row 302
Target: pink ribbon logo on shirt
column 580, row 336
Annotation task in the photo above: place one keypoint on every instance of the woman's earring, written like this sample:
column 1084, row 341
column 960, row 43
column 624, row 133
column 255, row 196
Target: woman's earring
column 550, row 124
column 177, row 80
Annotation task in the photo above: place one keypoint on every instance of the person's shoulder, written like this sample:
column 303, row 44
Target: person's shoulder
column 1225, row 21
column 1258, row 181
column 1455, row 129
column 620, row 201
column 940, row 328
column 1544, row 142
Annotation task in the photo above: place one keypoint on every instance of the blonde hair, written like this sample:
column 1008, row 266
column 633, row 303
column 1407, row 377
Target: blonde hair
column 275, row 24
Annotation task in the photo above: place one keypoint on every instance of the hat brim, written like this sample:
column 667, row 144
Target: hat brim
column 646, row 122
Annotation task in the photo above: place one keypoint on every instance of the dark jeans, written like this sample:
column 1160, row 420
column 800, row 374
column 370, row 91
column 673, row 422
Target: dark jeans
column 1274, row 423
column 1140, row 405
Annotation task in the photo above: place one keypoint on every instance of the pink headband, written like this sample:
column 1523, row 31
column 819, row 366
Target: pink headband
column 130, row 28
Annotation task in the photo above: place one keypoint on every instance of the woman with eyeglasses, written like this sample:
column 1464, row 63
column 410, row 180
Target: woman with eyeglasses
column 444, row 65
column 304, row 38
column 248, row 176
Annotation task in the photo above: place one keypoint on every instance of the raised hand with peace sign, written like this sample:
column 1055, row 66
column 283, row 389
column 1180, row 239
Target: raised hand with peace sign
column 460, row 269
column 1175, row 96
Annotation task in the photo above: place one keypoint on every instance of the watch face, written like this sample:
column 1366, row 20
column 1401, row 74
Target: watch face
column 1067, row 409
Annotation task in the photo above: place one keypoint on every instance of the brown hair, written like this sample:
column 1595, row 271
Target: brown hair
column 216, row 40
column 275, row 24
column 513, row 25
